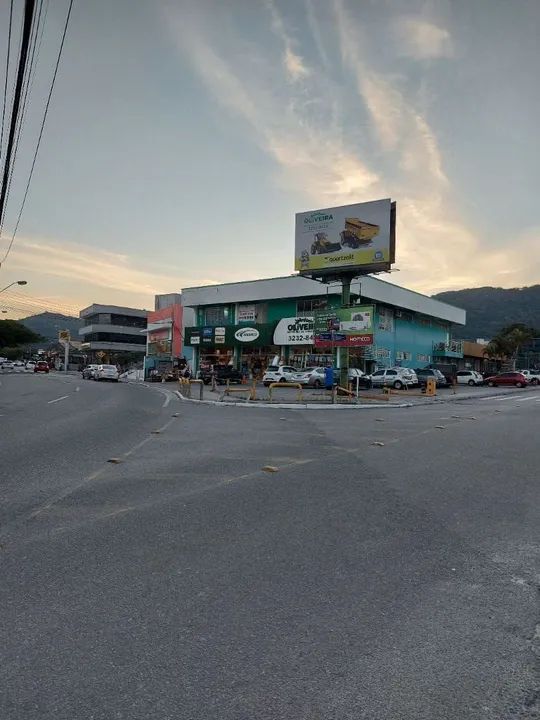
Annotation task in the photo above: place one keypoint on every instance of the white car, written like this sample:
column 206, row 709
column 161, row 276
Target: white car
column 106, row 372
column 279, row 373
column 396, row 377
column 533, row 376
column 8, row 365
column 30, row 365
column 469, row 377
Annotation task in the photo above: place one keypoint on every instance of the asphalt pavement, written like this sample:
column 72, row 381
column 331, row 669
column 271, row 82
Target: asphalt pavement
column 257, row 563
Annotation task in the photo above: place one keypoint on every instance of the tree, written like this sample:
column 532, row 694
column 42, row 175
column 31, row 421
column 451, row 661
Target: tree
column 13, row 333
column 509, row 341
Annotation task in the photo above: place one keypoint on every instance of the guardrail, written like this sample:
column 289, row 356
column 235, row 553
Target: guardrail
column 299, row 394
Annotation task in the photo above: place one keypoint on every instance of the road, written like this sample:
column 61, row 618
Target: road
column 348, row 580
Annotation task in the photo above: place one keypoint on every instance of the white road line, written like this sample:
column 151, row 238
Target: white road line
column 50, row 402
column 526, row 399
column 167, row 401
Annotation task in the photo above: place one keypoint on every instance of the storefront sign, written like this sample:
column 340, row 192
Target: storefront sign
column 344, row 327
column 230, row 335
column 246, row 334
column 294, row 331
column 246, row 313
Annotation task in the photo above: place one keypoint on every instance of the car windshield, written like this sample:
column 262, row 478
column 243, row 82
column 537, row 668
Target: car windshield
column 272, row 368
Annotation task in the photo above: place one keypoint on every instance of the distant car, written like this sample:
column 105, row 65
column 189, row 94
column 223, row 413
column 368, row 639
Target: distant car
column 106, row 372
column 30, row 365
column 396, row 377
column 516, row 379
column 18, row 365
column 533, row 376
column 310, row 376
column 221, row 373
column 469, row 377
column 8, row 365
column 424, row 373
column 88, row 372
column 279, row 373
column 356, row 375
column 41, row 366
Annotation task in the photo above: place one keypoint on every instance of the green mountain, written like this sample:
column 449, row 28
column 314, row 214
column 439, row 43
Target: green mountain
column 48, row 324
column 490, row 308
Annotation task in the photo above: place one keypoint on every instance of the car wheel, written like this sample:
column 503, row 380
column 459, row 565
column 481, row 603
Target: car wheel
column 519, row 384
column 317, row 384
column 471, row 383
column 266, row 384
column 398, row 385
column 534, row 381
column 491, row 384
column 282, row 380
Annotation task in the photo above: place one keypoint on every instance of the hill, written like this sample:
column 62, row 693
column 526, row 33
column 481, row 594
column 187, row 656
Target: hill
column 48, row 324
column 490, row 308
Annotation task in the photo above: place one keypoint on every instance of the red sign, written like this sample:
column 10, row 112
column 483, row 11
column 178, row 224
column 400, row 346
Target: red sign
column 341, row 340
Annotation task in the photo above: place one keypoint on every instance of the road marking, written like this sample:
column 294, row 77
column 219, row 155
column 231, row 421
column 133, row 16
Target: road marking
column 57, row 399
column 167, row 401
column 526, row 399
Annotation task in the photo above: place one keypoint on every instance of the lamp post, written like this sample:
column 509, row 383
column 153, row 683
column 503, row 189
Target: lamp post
column 15, row 282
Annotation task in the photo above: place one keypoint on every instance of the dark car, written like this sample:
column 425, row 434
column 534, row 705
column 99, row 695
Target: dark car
column 41, row 366
column 222, row 373
column 424, row 373
column 507, row 378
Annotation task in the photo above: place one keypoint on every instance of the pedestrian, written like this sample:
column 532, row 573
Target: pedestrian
column 329, row 377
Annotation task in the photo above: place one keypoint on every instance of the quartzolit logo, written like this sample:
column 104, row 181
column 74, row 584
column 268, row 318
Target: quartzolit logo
column 246, row 334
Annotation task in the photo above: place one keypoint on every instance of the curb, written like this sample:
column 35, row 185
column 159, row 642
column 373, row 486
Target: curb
column 295, row 406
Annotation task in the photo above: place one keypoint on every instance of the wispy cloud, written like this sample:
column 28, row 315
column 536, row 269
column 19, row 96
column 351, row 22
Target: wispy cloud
column 294, row 65
column 422, row 40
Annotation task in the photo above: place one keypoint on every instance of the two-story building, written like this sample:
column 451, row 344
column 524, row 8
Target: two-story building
column 252, row 323
column 111, row 332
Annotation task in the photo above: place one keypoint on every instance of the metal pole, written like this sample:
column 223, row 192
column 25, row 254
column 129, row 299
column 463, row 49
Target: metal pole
column 344, row 351
column 66, row 357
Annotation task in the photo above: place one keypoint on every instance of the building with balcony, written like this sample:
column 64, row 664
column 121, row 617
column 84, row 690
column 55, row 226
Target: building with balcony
column 111, row 332
column 249, row 324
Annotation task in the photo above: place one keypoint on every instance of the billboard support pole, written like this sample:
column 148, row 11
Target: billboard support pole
column 344, row 351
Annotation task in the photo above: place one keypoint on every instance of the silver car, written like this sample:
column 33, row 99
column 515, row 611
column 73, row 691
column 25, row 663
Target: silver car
column 396, row 377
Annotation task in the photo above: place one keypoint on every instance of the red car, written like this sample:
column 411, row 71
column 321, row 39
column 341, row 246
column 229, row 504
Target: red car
column 41, row 366
column 516, row 379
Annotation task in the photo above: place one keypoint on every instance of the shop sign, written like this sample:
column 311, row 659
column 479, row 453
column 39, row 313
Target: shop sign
column 344, row 327
column 294, row 331
column 247, row 334
column 246, row 313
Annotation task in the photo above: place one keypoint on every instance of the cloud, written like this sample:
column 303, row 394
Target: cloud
column 294, row 65
column 422, row 40
column 83, row 275
column 293, row 126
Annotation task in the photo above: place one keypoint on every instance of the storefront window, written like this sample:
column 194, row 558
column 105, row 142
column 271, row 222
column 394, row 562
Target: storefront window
column 307, row 306
column 217, row 315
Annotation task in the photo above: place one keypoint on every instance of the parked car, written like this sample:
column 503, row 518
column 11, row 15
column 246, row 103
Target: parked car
column 89, row 371
column 533, row 376
column 18, row 365
column 424, row 373
column 41, row 366
column 7, row 365
column 357, row 376
column 396, row 377
column 469, row 377
column 106, row 372
column 279, row 373
column 222, row 373
column 30, row 365
column 516, row 379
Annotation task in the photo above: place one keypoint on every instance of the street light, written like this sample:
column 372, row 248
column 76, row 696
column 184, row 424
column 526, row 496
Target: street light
column 15, row 282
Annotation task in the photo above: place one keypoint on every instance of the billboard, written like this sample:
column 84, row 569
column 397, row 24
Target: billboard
column 294, row 331
column 344, row 327
column 333, row 240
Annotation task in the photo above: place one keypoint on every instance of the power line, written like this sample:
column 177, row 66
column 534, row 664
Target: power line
column 40, row 133
column 27, row 83
column 7, row 76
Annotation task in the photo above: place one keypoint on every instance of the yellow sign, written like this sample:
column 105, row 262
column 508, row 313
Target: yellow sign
column 64, row 336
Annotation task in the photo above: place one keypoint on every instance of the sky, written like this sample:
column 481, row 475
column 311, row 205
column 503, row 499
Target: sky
column 184, row 135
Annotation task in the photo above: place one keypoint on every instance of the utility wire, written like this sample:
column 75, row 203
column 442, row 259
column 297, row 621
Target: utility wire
column 25, row 41
column 28, row 82
column 40, row 132
column 7, row 75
